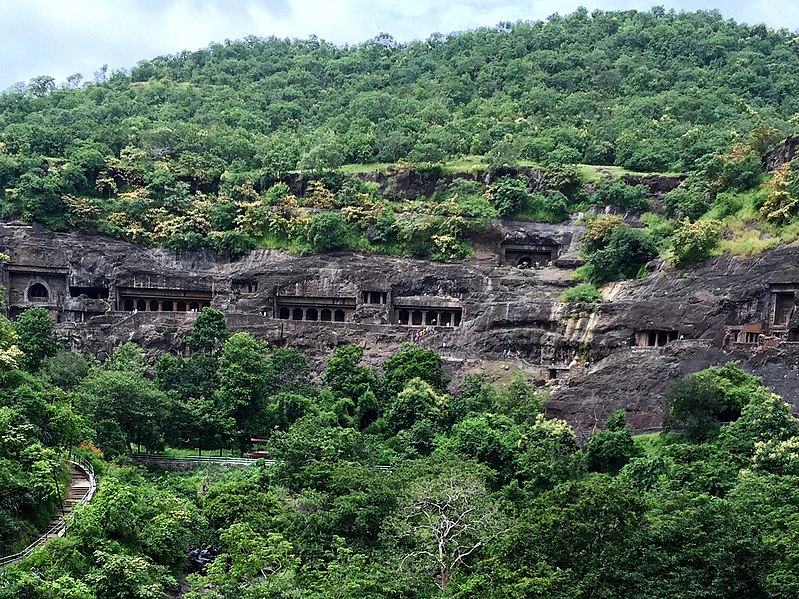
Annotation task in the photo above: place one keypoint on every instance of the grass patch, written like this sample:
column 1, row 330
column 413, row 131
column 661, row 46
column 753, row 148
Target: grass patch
column 588, row 173
column 651, row 444
column 360, row 169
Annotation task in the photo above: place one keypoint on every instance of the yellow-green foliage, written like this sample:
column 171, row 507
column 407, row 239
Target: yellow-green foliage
column 598, row 232
column 781, row 205
column 696, row 241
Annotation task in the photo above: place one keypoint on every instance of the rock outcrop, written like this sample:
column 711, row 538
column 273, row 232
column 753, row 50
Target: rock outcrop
column 645, row 334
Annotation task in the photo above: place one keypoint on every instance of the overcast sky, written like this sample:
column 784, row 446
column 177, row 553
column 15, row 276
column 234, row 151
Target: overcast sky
column 61, row 37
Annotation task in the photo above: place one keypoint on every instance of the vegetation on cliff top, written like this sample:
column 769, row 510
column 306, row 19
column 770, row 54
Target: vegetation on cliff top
column 186, row 150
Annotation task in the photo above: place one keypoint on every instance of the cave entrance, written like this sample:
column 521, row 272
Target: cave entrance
column 37, row 292
column 655, row 338
column 783, row 308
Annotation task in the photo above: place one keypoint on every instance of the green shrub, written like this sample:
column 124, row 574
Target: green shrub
column 585, row 293
column 626, row 252
column 508, row 195
column 328, row 231
column 617, row 193
column 696, row 241
column 686, row 203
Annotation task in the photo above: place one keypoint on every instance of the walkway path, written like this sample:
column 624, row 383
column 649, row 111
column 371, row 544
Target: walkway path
column 80, row 490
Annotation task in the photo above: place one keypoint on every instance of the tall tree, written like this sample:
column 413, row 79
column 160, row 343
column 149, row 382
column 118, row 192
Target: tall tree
column 34, row 328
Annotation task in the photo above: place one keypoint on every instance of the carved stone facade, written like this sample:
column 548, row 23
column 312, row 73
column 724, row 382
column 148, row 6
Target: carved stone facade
column 648, row 332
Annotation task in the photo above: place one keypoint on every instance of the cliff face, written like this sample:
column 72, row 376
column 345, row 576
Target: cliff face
column 646, row 334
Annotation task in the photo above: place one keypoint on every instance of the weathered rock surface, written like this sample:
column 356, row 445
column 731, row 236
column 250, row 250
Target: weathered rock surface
column 105, row 291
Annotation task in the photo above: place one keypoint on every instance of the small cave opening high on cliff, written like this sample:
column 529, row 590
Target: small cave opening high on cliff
column 98, row 292
column 654, row 338
column 152, row 299
column 529, row 255
column 315, row 309
column 442, row 317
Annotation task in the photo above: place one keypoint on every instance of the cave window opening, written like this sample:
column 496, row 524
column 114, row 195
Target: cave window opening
column 153, row 305
column 38, row 293
column 446, row 319
column 456, row 320
column 752, row 337
column 296, row 314
column 181, row 307
column 326, row 315
column 194, row 307
column 655, row 338
column 284, row 313
column 312, row 314
column 374, row 297
column 127, row 305
column 416, row 317
column 403, row 317
column 430, row 318
column 783, row 308
column 141, row 305
column 167, row 306
column 338, row 315
column 90, row 292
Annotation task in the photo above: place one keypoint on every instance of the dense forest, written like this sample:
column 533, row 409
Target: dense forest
column 271, row 142
column 387, row 483
column 393, row 480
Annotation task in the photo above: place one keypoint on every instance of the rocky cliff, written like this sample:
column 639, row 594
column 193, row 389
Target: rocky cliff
column 644, row 335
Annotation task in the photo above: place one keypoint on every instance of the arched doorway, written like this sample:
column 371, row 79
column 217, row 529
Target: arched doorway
column 37, row 292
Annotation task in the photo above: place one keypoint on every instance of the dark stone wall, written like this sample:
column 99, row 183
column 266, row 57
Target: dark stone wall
column 505, row 309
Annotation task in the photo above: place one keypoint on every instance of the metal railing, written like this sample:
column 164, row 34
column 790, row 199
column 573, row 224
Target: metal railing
column 60, row 528
column 155, row 458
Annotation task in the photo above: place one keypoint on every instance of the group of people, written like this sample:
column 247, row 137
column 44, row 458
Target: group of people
column 422, row 333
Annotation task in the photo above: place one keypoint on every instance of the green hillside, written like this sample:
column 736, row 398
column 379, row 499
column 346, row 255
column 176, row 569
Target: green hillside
column 193, row 150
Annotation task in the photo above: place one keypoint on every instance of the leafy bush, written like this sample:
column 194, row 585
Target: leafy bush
column 699, row 403
column 609, row 450
column 597, row 233
column 617, row 193
column 328, row 231
column 739, row 170
column 508, row 195
column 782, row 201
column 627, row 250
column 548, row 206
column 696, row 241
column 686, row 203
column 585, row 293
